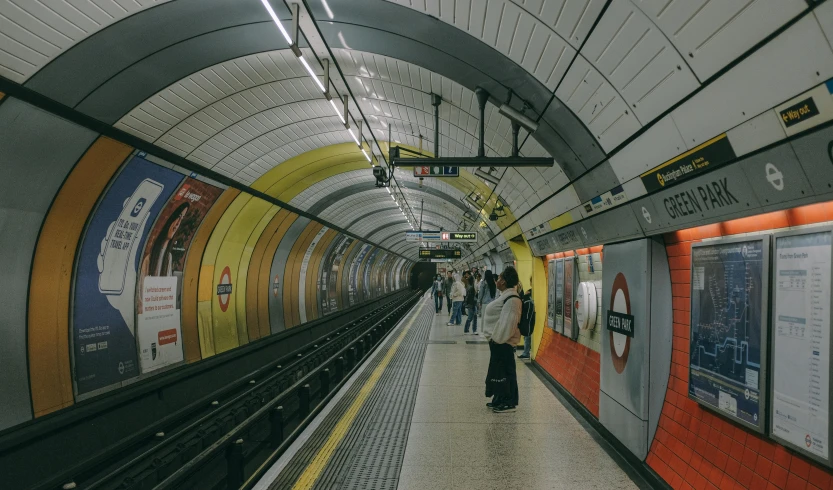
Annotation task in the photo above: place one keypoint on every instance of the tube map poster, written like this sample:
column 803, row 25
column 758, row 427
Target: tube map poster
column 727, row 294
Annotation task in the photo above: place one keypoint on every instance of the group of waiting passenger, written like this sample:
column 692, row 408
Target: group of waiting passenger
column 508, row 312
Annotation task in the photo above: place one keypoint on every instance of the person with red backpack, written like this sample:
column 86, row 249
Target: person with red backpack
column 527, row 323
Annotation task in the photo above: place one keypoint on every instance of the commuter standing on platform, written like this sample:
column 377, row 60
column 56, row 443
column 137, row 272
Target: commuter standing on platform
column 477, row 281
column 500, row 327
column 447, row 290
column 458, row 294
column 437, row 291
column 486, row 292
column 527, row 325
column 471, row 306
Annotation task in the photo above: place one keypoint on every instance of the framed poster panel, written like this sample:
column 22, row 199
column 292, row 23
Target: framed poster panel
column 729, row 291
column 570, row 328
column 559, row 296
column 801, row 342
column 551, row 294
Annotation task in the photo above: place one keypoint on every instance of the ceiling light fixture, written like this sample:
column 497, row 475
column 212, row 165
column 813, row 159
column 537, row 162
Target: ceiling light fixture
column 277, row 21
column 312, row 74
column 335, row 108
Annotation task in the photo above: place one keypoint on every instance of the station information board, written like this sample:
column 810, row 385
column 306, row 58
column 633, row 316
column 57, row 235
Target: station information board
column 436, row 171
column 801, row 342
column 458, row 236
column 441, row 236
column 727, row 373
column 440, row 253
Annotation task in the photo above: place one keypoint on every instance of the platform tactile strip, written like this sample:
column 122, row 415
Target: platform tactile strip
column 370, row 455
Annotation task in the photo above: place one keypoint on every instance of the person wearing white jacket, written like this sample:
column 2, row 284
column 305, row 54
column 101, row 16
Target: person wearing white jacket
column 458, row 293
column 500, row 327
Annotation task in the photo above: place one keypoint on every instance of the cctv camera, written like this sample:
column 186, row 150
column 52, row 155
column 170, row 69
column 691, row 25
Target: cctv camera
column 381, row 176
column 493, row 216
column 519, row 118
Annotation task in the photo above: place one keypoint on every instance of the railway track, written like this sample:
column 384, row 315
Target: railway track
column 217, row 441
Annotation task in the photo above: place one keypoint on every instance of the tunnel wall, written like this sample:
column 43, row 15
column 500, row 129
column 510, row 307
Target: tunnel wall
column 119, row 265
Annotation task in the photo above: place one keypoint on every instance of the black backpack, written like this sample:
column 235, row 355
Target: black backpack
column 527, row 323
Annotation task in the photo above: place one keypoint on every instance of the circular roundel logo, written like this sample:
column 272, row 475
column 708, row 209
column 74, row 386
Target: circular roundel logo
column 224, row 289
column 275, row 286
column 808, row 441
column 620, row 344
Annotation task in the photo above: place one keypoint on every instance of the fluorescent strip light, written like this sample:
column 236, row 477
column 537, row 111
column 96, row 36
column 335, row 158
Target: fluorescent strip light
column 366, row 155
column 353, row 135
column 335, row 108
column 277, row 21
column 312, row 74
column 387, row 189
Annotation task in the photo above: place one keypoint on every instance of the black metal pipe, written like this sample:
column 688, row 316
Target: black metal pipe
column 482, row 98
column 516, row 128
column 436, row 100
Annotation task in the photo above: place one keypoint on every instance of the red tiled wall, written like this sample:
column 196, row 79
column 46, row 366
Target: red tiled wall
column 693, row 447
column 573, row 365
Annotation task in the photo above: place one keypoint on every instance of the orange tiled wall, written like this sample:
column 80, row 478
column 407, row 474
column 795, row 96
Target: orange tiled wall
column 574, row 366
column 693, row 447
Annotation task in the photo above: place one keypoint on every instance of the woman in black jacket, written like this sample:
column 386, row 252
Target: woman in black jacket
column 471, row 305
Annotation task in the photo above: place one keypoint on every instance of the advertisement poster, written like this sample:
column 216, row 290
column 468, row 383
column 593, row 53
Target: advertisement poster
column 335, row 265
column 368, row 285
column 324, row 275
column 568, row 298
column 354, row 273
column 551, row 295
column 801, row 342
column 159, row 332
column 302, row 283
column 727, row 328
column 559, row 296
column 161, row 271
column 103, row 317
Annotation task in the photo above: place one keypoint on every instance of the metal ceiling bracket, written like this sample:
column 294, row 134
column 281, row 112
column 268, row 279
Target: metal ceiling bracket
column 482, row 98
column 436, row 100
column 516, row 128
column 293, row 34
column 326, row 63
column 345, row 99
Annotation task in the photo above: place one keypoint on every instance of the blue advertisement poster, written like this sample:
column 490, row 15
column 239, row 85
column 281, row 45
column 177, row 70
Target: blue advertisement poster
column 103, row 320
column 727, row 295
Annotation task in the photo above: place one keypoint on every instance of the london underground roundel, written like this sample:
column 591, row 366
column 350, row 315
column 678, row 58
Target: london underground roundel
column 620, row 344
column 275, row 286
column 224, row 289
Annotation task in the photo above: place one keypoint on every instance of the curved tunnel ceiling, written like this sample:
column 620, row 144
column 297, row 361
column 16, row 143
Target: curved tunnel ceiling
column 213, row 81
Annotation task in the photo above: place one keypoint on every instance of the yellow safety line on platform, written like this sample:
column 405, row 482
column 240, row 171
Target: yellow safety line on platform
column 319, row 462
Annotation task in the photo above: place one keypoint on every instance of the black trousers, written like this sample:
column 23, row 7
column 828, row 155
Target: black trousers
column 502, row 378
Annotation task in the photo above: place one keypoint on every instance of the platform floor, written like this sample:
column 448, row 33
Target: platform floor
column 443, row 436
